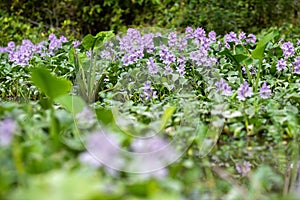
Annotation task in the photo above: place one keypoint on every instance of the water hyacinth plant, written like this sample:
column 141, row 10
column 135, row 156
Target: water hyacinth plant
column 150, row 113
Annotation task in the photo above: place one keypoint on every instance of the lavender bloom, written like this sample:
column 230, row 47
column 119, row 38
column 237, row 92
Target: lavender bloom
column 199, row 33
column 212, row 36
column 265, row 91
column 181, row 67
column 76, row 43
column 242, row 36
column 148, row 93
column 244, row 91
column 104, row 148
column 168, row 70
column 189, row 32
column 172, row 39
column 166, row 56
column 298, row 42
column 227, row 46
column 296, row 64
column 288, row 49
column 281, row 64
column 153, row 69
column 7, row 128
column 231, row 37
column 252, row 70
column 148, row 43
column 157, row 151
column 251, row 39
column 201, row 58
column 244, row 168
column 182, row 44
column 223, row 87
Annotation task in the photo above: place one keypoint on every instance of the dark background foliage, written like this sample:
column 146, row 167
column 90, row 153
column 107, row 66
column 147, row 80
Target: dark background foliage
column 79, row 17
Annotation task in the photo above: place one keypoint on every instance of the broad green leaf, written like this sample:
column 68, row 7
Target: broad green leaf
column 74, row 104
column 105, row 116
column 88, row 41
column 166, row 116
column 102, row 37
column 51, row 85
column 258, row 52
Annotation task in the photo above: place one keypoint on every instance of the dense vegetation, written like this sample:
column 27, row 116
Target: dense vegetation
column 82, row 17
column 149, row 113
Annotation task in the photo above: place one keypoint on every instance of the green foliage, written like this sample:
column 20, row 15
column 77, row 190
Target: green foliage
column 83, row 17
column 52, row 86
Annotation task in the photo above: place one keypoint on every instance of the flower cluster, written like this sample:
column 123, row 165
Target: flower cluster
column 240, row 39
column 7, row 128
column 244, row 168
column 244, row 91
column 148, row 93
column 104, row 150
column 22, row 54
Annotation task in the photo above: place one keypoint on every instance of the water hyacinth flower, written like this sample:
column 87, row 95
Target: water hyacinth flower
column 212, row 36
column 230, row 37
column 7, row 128
column 153, row 69
column 288, row 49
column 172, row 39
column 189, row 32
column 244, row 168
column 148, row 93
column 251, row 38
column 265, row 91
column 296, row 64
column 281, row 64
column 244, row 91
column 199, row 33
column 223, row 87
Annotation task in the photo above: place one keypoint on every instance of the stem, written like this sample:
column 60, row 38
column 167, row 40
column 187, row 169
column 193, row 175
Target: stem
column 258, row 75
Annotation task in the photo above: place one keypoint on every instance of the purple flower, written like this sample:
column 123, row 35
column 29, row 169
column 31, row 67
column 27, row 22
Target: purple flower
column 182, row 44
column 242, row 36
column 199, row 33
column 231, row 37
column 201, row 57
column 288, row 49
column 298, row 42
column 252, row 70
column 63, row 39
column 244, row 168
column 244, row 91
column 172, row 39
column 223, row 87
column 281, row 64
column 7, row 128
column 265, row 91
column 296, row 64
column 189, row 32
column 104, row 148
column 181, row 67
column 153, row 69
column 148, row 93
column 212, row 36
column 76, row 43
column 251, row 39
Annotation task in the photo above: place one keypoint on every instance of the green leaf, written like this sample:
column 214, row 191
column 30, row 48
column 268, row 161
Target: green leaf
column 90, row 41
column 51, row 85
column 105, row 116
column 258, row 52
column 166, row 116
column 74, row 104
